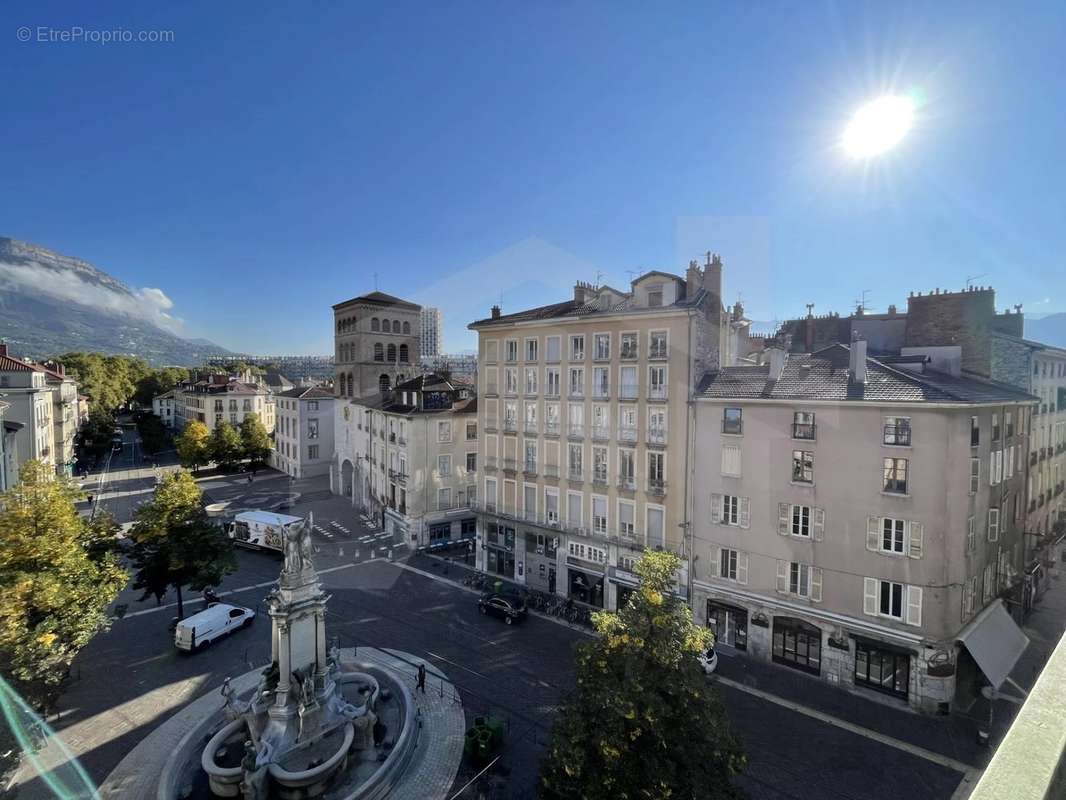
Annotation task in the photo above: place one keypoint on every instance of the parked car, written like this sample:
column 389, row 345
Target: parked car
column 511, row 609
column 708, row 660
column 214, row 622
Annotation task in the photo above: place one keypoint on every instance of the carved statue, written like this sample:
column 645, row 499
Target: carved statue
column 234, row 708
column 298, row 546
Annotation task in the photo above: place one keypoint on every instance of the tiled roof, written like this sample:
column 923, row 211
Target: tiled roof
column 378, row 299
column 1030, row 343
column 307, row 393
column 572, row 308
column 9, row 364
column 425, row 382
column 824, row 376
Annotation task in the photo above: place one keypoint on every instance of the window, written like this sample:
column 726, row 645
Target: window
column 895, row 476
column 656, row 474
column 975, row 432
column 312, row 405
column 893, row 600
column 626, row 517
column 577, row 382
column 492, row 348
column 627, row 383
column 797, row 644
column 628, row 345
column 727, row 565
column 882, row 669
column 375, row 324
column 801, row 521
column 892, row 535
column 510, row 381
column 969, row 596
column 551, row 506
column 530, row 463
column 802, row 466
column 471, row 462
column 799, row 579
column 510, row 350
column 1008, row 423
column 733, row 421
column 995, row 427
column 731, row 460
column 657, row 344
column 471, row 431
column 405, row 353
column 601, row 347
column 656, row 383
column 601, row 382
column 379, row 351
column 312, row 429
column 993, row 524
column 551, row 381
column 406, row 329
column 529, row 501
column 531, row 380
column 599, row 464
column 444, row 466
column 444, row 498
column 599, row 514
column 727, row 509
column 975, row 475
column 803, row 425
column 312, row 451
column 626, row 469
column 531, row 349
column 577, row 348
column 392, row 354
column 995, row 467
column 574, row 456
column 655, row 295
column 444, row 431
column 655, row 524
column 897, row 431
column 573, row 509
column 552, row 347
column 971, row 543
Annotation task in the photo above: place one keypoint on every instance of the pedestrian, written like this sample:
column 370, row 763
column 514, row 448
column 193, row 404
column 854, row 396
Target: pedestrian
column 422, row 677
column 249, row 479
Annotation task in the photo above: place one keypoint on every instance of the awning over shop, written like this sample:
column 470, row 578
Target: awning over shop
column 995, row 642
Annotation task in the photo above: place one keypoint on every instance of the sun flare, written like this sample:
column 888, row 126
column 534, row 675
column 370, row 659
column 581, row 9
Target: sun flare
column 878, row 126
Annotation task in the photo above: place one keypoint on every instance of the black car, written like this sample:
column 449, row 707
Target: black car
column 510, row 608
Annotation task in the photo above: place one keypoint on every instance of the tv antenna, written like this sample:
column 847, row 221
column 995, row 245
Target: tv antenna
column 375, row 281
column 599, row 275
column 860, row 302
column 971, row 278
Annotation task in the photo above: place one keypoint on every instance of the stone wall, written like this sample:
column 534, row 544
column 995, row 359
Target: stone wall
column 954, row 318
column 1011, row 361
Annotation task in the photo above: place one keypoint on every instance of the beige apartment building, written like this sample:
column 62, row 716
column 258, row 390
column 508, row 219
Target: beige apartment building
column 408, row 458
column 583, row 418
column 860, row 519
column 376, row 344
column 222, row 398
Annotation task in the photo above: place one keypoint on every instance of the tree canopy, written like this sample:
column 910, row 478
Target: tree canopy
column 175, row 544
column 58, row 574
column 153, row 433
column 97, row 430
column 644, row 723
column 113, row 381
column 255, row 441
column 225, row 445
column 192, row 445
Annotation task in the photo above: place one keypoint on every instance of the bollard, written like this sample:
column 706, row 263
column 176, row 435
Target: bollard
column 390, row 554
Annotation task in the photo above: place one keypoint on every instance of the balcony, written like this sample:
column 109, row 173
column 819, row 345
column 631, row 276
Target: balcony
column 491, row 424
column 551, row 428
column 576, row 431
column 657, row 353
column 1032, row 458
column 628, row 353
column 601, row 393
column 551, row 471
column 627, row 433
column 510, row 426
column 601, row 432
column 492, row 390
column 657, row 393
column 531, row 427
column 575, row 475
column 392, row 438
column 803, row 430
column 657, row 436
column 529, row 469
column 577, row 393
column 509, row 465
column 399, row 477
column 656, row 488
column 490, row 462
column 628, row 391
column 599, row 476
column 551, row 392
column 401, row 441
column 627, row 483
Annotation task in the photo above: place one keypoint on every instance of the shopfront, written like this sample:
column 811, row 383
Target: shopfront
column 729, row 624
column 499, row 549
column 541, row 551
column 882, row 667
column 797, row 644
column 586, row 586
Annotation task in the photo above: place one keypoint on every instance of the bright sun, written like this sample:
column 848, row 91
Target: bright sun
column 878, row 126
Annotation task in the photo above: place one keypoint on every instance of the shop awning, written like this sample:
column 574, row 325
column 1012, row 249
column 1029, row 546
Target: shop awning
column 995, row 642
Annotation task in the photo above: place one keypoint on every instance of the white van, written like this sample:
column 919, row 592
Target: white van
column 211, row 624
column 262, row 530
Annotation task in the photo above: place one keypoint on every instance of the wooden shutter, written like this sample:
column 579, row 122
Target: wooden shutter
column 715, row 556
column 716, row 508
column 816, row 584
column 782, row 518
column 742, row 568
column 782, row 577
column 745, row 512
column 869, row 596
column 819, row 524
column 914, row 605
column 873, row 533
column 917, row 539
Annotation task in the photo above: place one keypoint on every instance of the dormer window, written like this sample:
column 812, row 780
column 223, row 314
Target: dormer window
column 655, row 295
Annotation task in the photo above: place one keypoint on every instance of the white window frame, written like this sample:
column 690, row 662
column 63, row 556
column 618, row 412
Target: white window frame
column 599, row 527
column 572, row 354
column 444, row 465
column 596, row 337
column 531, row 340
column 662, row 510
column 547, row 349
column 993, row 524
column 651, row 337
column 636, row 345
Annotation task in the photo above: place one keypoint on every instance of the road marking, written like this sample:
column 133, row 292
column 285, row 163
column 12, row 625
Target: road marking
column 851, row 727
column 456, row 664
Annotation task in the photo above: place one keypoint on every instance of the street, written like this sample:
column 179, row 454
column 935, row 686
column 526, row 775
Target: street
column 803, row 738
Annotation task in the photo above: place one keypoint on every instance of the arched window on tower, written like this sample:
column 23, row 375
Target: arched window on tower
column 379, row 351
column 392, row 354
column 375, row 324
column 383, row 383
column 403, row 354
column 407, row 327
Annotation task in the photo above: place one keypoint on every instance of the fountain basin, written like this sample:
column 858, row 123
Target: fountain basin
column 225, row 780
column 311, row 782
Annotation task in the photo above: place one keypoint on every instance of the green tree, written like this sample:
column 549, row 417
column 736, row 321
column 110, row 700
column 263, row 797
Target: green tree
column 97, row 430
column 643, row 721
column 175, row 544
column 157, row 382
column 225, row 446
column 255, row 441
column 153, row 433
column 192, row 445
column 58, row 574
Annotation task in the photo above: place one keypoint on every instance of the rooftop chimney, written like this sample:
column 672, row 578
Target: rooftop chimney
column 495, row 312
column 3, row 348
column 777, row 362
column 857, row 362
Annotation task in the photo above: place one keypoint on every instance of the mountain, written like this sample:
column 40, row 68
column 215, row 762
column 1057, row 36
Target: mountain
column 52, row 304
column 1047, row 330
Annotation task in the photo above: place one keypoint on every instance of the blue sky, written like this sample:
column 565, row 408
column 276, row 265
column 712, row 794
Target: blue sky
column 272, row 158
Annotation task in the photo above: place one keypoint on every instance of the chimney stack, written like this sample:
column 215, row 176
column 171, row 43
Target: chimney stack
column 3, row 348
column 777, row 362
column 857, row 362
column 495, row 312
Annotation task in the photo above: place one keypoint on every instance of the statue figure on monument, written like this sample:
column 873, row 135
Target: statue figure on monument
column 298, row 547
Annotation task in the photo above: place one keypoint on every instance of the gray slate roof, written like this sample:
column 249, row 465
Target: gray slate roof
column 824, row 376
column 572, row 308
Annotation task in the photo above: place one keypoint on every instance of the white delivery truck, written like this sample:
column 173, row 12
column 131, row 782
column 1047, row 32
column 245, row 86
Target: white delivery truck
column 263, row 530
